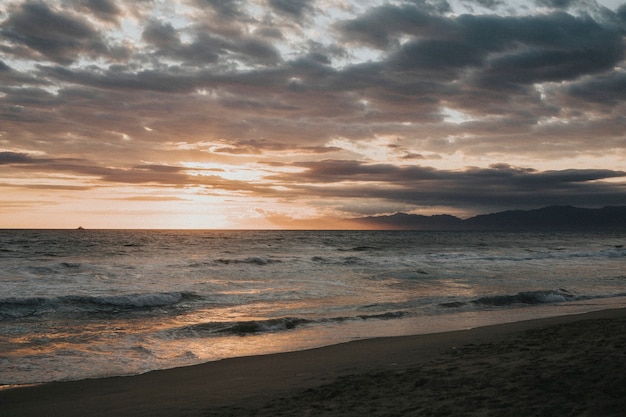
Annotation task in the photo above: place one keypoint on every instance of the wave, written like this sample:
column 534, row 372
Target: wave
column 254, row 260
column 559, row 254
column 522, row 298
column 348, row 260
column 241, row 327
column 70, row 264
column 34, row 306
column 264, row 326
column 527, row 297
column 133, row 300
column 359, row 249
column 250, row 327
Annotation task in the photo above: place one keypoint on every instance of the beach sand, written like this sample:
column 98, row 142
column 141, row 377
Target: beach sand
column 562, row 366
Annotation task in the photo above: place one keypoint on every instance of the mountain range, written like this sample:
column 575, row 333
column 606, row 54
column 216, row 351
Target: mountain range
column 552, row 218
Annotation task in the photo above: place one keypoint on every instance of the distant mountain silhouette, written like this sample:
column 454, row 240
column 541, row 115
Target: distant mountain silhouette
column 553, row 218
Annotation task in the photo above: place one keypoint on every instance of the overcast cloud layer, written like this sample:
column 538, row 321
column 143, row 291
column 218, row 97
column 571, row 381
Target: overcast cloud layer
column 282, row 109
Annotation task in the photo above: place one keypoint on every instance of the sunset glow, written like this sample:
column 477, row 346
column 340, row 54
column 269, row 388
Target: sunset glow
column 306, row 114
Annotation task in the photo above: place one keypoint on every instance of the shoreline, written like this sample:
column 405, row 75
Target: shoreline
column 239, row 386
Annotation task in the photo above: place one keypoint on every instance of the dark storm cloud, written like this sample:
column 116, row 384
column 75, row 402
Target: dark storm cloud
column 257, row 51
column 166, row 39
column 11, row 77
column 209, row 47
column 502, row 50
column 7, row 158
column 162, row 35
column 292, row 8
column 333, row 171
column 59, row 36
column 556, row 4
column 380, row 26
column 225, row 9
column 106, row 10
column 436, row 58
column 621, row 13
column 436, row 6
column 559, row 47
column 136, row 174
column 479, row 188
column 29, row 96
column 490, row 4
column 121, row 78
column 268, row 32
column 607, row 90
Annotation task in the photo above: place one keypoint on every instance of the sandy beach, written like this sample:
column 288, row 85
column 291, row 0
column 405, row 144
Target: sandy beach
column 562, row 366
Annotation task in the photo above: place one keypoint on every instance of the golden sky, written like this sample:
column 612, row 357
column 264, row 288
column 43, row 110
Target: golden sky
column 306, row 113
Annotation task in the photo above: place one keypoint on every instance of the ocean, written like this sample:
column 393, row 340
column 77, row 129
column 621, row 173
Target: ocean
column 78, row 304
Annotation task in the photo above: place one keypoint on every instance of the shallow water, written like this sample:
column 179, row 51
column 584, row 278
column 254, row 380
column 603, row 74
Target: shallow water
column 78, row 304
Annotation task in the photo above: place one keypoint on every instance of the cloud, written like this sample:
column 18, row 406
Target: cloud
column 160, row 34
column 621, row 13
column 152, row 198
column 106, row 10
column 172, row 80
column 556, row 4
column 225, row 9
column 499, row 50
column 11, row 77
column 293, row 8
column 329, row 171
column 208, row 47
column 7, row 158
column 144, row 174
column 380, row 26
column 607, row 90
column 500, row 186
column 56, row 35
column 347, row 184
column 44, row 187
column 559, row 47
column 490, row 4
column 383, row 104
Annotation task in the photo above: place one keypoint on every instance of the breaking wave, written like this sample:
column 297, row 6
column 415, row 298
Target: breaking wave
column 33, row 306
column 521, row 298
column 526, row 297
column 254, row 260
column 250, row 327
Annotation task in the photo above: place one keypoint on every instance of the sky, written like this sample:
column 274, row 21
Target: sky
column 219, row 114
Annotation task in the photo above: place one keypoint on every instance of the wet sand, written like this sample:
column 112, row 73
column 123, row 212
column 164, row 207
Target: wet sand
column 562, row 366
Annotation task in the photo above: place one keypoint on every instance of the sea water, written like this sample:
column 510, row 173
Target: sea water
column 80, row 304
